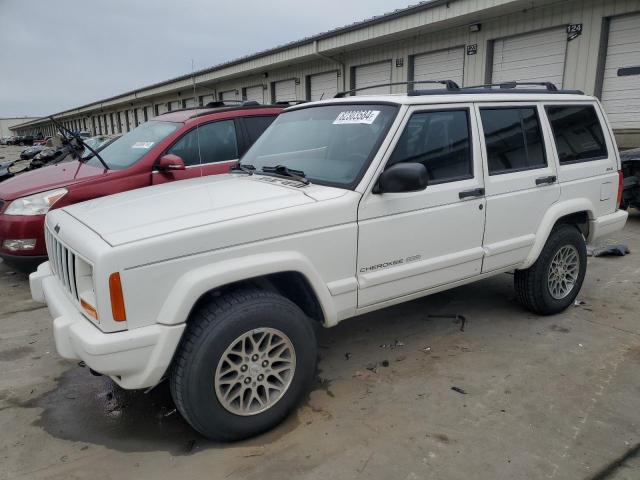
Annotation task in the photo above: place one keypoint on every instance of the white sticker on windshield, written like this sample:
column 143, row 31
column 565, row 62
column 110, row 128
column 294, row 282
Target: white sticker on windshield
column 142, row 145
column 356, row 116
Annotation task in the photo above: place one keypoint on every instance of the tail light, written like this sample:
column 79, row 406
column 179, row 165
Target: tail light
column 117, row 298
column 620, row 188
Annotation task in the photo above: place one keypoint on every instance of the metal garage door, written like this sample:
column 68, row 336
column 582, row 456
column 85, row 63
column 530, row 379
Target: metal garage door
column 534, row 57
column 323, row 85
column 621, row 88
column 373, row 74
column 204, row 99
column 285, row 90
column 229, row 95
column 174, row 105
column 254, row 94
column 443, row 65
column 189, row 102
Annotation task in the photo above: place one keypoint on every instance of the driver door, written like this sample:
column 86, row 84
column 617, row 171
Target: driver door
column 411, row 242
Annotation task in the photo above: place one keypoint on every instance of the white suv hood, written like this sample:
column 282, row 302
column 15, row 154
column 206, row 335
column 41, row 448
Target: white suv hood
column 149, row 212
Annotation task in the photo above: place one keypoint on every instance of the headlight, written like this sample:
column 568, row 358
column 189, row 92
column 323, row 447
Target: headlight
column 37, row 204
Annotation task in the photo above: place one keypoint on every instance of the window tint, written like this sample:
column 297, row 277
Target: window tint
column 440, row 141
column 211, row 142
column 257, row 125
column 577, row 133
column 513, row 138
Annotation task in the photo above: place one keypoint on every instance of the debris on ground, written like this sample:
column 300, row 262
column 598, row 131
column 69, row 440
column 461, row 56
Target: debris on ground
column 457, row 318
column 616, row 250
column 362, row 375
column 385, row 363
column 577, row 303
column 347, row 356
column 168, row 414
column 254, row 452
column 459, row 390
column 395, row 344
column 372, row 367
column 426, row 349
column 401, row 358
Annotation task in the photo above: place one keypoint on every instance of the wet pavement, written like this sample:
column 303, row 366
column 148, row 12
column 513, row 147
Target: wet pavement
column 402, row 393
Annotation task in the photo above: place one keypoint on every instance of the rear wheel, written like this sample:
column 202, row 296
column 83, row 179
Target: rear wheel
column 246, row 359
column 552, row 283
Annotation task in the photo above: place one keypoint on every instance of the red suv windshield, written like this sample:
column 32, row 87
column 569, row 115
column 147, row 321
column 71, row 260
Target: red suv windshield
column 132, row 146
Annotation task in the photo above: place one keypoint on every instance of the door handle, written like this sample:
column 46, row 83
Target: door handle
column 476, row 192
column 546, row 180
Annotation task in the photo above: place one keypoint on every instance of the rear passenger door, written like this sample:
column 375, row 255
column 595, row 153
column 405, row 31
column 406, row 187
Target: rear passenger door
column 520, row 180
column 413, row 241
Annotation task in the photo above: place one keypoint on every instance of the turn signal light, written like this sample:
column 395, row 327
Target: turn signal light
column 117, row 298
column 90, row 309
column 620, row 187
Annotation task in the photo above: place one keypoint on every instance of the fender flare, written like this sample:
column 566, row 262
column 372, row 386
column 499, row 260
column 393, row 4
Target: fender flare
column 190, row 287
column 550, row 218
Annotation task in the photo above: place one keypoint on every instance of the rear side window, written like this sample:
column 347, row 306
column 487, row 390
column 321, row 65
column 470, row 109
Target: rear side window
column 440, row 141
column 577, row 133
column 513, row 138
column 256, row 126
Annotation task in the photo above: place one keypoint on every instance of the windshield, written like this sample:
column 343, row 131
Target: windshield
column 331, row 144
column 97, row 143
column 132, row 146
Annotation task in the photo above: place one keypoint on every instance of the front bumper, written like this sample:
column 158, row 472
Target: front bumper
column 607, row 224
column 134, row 359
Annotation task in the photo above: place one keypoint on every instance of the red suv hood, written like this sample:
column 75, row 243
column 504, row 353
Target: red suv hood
column 48, row 178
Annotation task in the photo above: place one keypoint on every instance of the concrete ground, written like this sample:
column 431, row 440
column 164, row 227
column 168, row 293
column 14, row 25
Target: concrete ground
column 536, row 397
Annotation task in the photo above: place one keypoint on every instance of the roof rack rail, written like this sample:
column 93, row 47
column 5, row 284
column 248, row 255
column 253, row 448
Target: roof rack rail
column 449, row 84
column 289, row 102
column 513, row 84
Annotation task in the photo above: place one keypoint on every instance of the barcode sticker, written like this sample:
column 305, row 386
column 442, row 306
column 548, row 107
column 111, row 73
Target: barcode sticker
column 357, row 116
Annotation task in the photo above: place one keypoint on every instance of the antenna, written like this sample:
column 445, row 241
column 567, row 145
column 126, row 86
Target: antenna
column 193, row 77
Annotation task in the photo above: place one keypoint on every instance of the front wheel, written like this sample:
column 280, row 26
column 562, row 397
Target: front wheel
column 552, row 283
column 246, row 359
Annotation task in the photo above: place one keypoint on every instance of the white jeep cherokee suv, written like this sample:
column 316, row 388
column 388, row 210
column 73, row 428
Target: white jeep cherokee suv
column 342, row 207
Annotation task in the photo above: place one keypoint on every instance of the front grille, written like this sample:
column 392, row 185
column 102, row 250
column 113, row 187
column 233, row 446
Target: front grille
column 63, row 263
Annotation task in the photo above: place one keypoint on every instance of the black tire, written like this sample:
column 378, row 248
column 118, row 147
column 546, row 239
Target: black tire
column 532, row 284
column 214, row 327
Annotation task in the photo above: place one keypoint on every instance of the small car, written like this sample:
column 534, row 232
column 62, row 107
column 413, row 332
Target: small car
column 341, row 207
column 631, row 169
column 174, row 146
column 30, row 152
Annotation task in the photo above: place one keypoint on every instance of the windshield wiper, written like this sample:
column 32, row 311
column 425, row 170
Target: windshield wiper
column 246, row 168
column 78, row 139
column 283, row 171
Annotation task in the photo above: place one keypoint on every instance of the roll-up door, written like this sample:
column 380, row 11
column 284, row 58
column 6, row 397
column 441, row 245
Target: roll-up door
column 285, row 90
column 254, row 94
column 442, row 65
column 534, row 57
column 621, row 82
column 373, row 74
column 204, row 99
column 189, row 103
column 174, row 105
column 229, row 95
column 323, row 85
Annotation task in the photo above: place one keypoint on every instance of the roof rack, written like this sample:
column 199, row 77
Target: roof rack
column 513, row 84
column 289, row 102
column 449, row 84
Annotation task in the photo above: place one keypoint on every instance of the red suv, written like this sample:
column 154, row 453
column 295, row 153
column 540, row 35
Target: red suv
column 174, row 146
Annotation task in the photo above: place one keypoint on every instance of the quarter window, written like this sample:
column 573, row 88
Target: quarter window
column 440, row 140
column 209, row 143
column 577, row 133
column 513, row 139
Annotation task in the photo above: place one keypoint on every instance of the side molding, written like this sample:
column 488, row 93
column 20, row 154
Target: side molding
column 554, row 213
column 195, row 283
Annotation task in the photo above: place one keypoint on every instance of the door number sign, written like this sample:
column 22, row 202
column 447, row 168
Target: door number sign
column 574, row 30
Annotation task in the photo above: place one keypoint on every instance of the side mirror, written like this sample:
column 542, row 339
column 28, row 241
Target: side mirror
column 402, row 177
column 170, row 162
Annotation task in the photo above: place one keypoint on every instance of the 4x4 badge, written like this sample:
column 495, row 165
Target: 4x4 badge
column 57, row 228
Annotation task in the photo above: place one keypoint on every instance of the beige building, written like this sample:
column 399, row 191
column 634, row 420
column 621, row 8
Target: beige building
column 6, row 124
column 589, row 45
